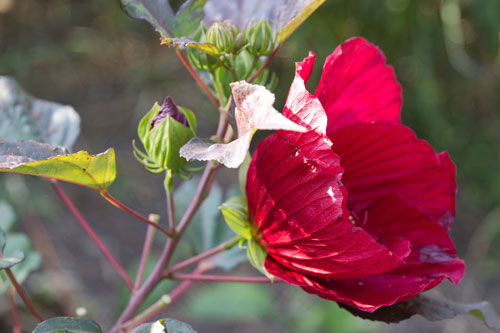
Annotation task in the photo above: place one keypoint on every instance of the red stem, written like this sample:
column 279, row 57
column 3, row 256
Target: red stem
column 268, row 61
column 135, row 214
column 188, row 262
column 92, row 234
column 148, row 242
column 23, row 295
column 16, row 324
column 197, row 78
column 222, row 278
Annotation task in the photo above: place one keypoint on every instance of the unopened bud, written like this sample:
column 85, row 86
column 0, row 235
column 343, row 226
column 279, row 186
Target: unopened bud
column 226, row 36
column 169, row 109
column 260, row 38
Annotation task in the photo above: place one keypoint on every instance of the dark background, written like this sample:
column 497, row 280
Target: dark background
column 111, row 69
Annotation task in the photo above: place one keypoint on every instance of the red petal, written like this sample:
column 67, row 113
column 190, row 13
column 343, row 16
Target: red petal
column 432, row 259
column 296, row 201
column 357, row 86
column 382, row 158
column 302, row 107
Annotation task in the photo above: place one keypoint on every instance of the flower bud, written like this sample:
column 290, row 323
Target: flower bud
column 163, row 131
column 260, row 38
column 226, row 36
column 199, row 59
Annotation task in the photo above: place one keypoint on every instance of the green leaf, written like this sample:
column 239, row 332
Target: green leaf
column 68, row 325
column 16, row 244
column 235, row 213
column 164, row 325
column 7, row 262
column 160, row 15
column 7, row 216
column 184, row 42
column 23, row 117
column 242, row 175
column 231, row 302
column 293, row 21
column 432, row 309
column 32, row 158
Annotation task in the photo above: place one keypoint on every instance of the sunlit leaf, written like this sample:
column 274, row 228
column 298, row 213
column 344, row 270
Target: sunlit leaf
column 68, row 325
column 184, row 42
column 295, row 13
column 32, row 158
column 254, row 110
column 160, row 15
column 164, row 325
column 431, row 308
column 23, row 117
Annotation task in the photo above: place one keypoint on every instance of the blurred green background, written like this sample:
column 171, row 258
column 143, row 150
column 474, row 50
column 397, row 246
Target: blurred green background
column 111, row 69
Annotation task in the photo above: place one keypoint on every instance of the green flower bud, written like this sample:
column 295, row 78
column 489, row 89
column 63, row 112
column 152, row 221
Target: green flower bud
column 226, row 36
column 163, row 131
column 260, row 38
column 199, row 59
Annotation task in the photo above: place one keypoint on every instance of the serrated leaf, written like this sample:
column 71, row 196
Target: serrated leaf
column 68, row 325
column 160, row 15
column 15, row 258
column 32, row 158
column 431, row 308
column 254, row 110
column 23, row 117
column 184, row 42
column 235, row 213
column 164, row 326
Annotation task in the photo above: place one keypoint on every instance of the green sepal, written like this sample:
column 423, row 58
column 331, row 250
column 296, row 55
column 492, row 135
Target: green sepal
column 242, row 175
column 235, row 214
column 257, row 256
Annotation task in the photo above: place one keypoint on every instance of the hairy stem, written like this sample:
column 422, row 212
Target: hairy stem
column 16, row 324
column 135, row 214
column 197, row 78
column 268, row 61
column 23, row 295
column 119, row 269
column 218, row 249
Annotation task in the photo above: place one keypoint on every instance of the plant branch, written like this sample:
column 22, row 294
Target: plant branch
column 222, row 278
column 268, row 61
column 135, row 214
column 119, row 269
column 16, row 324
column 23, row 295
column 197, row 78
column 218, row 249
column 146, row 249
column 204, row 186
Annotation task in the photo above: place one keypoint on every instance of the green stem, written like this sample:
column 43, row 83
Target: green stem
column 268, row 61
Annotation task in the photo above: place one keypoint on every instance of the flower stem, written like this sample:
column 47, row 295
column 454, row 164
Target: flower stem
column 222, row 247
column 204, row 186
column 197, row 78
column 170, row 201
column 16, row 324
column 146, row 249
column 268, row 61
column 23, row 295
column 135, row 214
column 222, row 278
column 165, row 300
column 119, row 269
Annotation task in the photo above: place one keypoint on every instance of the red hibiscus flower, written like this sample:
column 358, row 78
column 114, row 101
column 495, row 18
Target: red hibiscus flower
column 357, row 209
